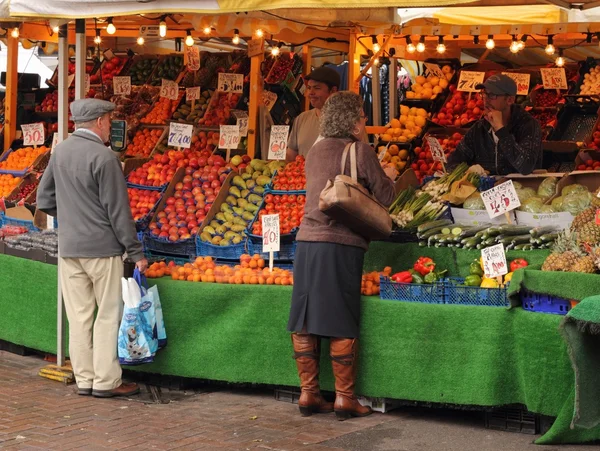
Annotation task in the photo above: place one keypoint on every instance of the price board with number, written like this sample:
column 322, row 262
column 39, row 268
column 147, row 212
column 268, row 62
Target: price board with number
column 469, row 80
column 269, row 98
column 500, row 199
column 436, row 149
column 554, row 78
column 256, row 47
column 192, row 93
column 270, row 229
column 241, row 120
column 522, row 81
column 169, row 89
column 192, row 55
column 278, row 142
column 33, row 134
column 229, row 137
column 494, row 261
column 434, row 69
column 231, row 83
column 122, row 86
column 180, row 135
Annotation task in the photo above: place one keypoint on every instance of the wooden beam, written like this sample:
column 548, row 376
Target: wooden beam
column 484, row 56
column 374, row 57
column 307, row 52
column 80, row 60
column 354, row 56
column 10, row 100
column 559, row 3
column 256, row 89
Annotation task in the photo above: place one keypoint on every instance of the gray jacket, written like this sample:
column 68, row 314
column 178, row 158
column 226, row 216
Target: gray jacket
column 84, row 188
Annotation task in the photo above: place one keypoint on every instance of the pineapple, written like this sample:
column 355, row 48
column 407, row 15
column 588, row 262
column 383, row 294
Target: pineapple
column 589, row 233
column 596, row 198
column 583, row 218
column 585, row 264
column 565, row 253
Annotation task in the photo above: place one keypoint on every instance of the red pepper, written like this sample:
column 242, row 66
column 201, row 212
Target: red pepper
column 424, row 265
column 518, row 263
column 402, row 277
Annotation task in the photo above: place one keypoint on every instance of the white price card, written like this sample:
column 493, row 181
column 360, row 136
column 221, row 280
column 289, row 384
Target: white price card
column 522, row 81
column 33, row 134
column 180, row 135
column 169, row 89
column 554, row 78
column 242, row 122
column 122, row 86
column 230, row 83
column 192, row 93
column 500, row 199
column 278, row 142
column 494, row 261
column 268, row 99
column 468, row 80
column 229, row 137
column 434, row 69
column 256, row 47
column 436, row 149
column 192, row 55
column 87, row 83
column 270, row 229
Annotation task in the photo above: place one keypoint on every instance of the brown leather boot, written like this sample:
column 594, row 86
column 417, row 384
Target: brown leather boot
column 343, row 359
column 307, row 349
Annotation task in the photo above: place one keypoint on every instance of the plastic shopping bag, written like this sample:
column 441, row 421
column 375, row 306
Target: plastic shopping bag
column 154, row 314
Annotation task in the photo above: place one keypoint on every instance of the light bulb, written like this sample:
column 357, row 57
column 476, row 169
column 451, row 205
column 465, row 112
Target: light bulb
column 410, row 48
column 140, row 40
column 236, row 37
column 560, row 61
column 162, row 28
column 550, row 49
column 189, row 40
column 207, row 30
column 97, row 38
column 376, row 61
column 490, row 44
column 521, row 45
column 15, row 32
column 514, row 47
column 421, row 44
column 441, row 48
column 110, row 28
column 275, row 51
column 259, row 33
column 376, row 46
column 55, row 28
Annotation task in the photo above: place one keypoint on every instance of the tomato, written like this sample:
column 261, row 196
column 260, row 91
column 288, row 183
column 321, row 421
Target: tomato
column 270, row 207
column 292, row 198
column 276, row 199
column 261, row 213
column 269, row 198
column 284, row 199
column 277, row 187
column 285, row 188
column 282, row 180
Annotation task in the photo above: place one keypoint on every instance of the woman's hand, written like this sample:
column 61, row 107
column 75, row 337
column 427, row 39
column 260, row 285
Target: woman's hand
column 391, row 172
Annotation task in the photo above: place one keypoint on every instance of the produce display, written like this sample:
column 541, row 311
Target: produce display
column 202, row 140
column 27, row 187
column 8, row 183
column 188, row 113
column 162, row 111
column 21, row 159
column 589, row 165
column 290, row 208
column 142, row 202
column 460, row 109
column 430, row 87
column 159, row 171
column 109, row 69
column 424, row 165
column 570, row 256
column 50, row 102
column 369, row 285
column 393, row 157
column 134, row 106
column 595, row 142
column 12, row 230
column 280, row 69
column 219, row 109
column 141, row 70
column 546, row 98
column 292, row 177
column 46, row 240
column 573, row 198
column 584, row 224
column 546, row 119
column 591, row 82
column 408, row 126
column 169, row 69
column 422, row 271
column 143, row 142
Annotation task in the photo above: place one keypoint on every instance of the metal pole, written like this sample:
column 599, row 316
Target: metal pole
column 376, row 90
column 80, row 51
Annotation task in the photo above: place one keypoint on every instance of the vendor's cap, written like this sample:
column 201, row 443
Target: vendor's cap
column 325, row 75
column 85, row 110
column 501, row 85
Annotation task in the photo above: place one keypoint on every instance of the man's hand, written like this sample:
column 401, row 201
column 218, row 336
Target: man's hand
column 494, row 117
column 142, row 265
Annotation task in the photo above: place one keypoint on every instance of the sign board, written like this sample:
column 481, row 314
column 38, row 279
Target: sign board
column 229, row 137
column 554, row 78
column 434, row 69
column 494, row 261
column 169, row 89
column 269, row 98
column 231, row 83
column 522, row 81
column 33, row 134
column 500, row 199
column 468, row 80
column 256, row 47
column 270, row 229
column 192, row 93
column 122, row 86
column 436, row 149
column 150, row 31
column 180, row 135
column 242, row 122
column 192, row 55
column 118, row 135
column 278, row 142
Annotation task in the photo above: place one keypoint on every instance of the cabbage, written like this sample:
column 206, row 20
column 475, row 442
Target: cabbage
column 525, row 193
column 532, row 205
column 576, row 202
column 547, row 209
column 548, row 187
column 474, row 202
column 517, row 185
column 575, row 188
column 557, row 203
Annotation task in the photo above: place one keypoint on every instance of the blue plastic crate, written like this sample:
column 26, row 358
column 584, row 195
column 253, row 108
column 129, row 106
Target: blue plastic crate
column 7, row 220
column 411, row 292
column 486, row 183
column 158, row 256
column 257, row 239
column 185, row 248
column 151, row 188
column 287, row 251
column 269, row 188
column 543, row 303
column 457, row 294
column 233, row 252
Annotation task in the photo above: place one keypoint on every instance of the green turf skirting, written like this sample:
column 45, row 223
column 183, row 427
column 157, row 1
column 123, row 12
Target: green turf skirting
column 482, row 356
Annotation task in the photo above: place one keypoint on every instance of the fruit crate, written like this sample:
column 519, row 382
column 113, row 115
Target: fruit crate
column 457, row 294
column 7, row 220
column 287, row 106
column 233, row 252
column 150, row 69
column 41, row 160
column 433, row 105
column 513, row 419
column 576, row 123
column 269, row 189
column 26, row 180
column 544, row 303
column 181, row 248
column 257, row 239
column 282, row 67
column 152, row 188
column 411, row 292
column 287, row 251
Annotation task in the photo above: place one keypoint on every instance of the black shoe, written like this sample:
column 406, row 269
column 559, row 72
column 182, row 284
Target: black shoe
column 84, row 391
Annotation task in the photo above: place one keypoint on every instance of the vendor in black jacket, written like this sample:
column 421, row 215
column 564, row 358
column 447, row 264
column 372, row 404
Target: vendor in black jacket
column 506, row 139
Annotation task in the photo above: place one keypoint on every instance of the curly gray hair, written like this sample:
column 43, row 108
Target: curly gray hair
column 340, row 114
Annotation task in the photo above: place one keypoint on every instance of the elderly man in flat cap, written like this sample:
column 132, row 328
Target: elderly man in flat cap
column 84, row 188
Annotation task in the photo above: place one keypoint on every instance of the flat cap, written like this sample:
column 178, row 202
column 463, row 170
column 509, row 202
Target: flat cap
column 84, row 110
column 326, row 75
column 499, row 84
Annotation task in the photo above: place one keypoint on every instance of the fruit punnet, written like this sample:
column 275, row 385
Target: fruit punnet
column 428, row 88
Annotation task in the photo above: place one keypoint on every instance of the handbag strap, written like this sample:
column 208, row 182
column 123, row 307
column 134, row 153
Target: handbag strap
column 353, row 171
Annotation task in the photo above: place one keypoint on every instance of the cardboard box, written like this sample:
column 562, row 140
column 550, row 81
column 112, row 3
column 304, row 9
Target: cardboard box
column 408, row 178
column 21, row 213
column 478, row 217
column 589, row 179
column 561, row 220
column 534, row 180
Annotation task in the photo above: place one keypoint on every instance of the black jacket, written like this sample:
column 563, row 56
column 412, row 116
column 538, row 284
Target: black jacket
column 519, row 147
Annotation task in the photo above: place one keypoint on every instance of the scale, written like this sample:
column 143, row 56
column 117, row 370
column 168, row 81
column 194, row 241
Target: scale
column 118, row 135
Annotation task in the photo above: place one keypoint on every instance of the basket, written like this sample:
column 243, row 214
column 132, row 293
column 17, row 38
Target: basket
column 257, row 239
column 411, row 292
column 180, row 248
column 575, row 123
column 7, row 220
column 543, row 303
column 269, row 189
column 233, row 252
column 463, row 295
column 14, row 173
column 151, row 188
column 286, row 251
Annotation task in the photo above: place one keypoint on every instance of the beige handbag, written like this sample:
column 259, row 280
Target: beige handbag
column 349, row 203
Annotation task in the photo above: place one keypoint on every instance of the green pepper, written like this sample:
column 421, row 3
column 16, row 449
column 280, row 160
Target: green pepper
column 475, row 269
column 416, row 278
column 431, row 277
column 474, row 280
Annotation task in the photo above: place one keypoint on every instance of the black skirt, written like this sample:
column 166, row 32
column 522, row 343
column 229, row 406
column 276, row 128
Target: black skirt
column 326, row 294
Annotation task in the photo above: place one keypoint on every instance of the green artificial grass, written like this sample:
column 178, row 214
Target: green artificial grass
column 464, row 355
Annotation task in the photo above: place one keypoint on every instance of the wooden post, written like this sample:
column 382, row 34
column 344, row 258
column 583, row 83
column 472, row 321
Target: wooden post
column 306, row 69
column 80, row 51
column 256, row 89
column 353, row 64
column 393, row 84
column 376, row 91
column 10, row 101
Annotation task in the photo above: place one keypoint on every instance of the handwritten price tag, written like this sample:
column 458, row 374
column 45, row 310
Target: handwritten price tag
column 278, row 142
column 522, row 81
column 229, row 137
column 33, row 134
column 271, row 237
column 269, row 98
column 231, row 83
column 180, row 135
column 192, row 55
column 500, row 199
column 192, row 93
column 122, row 86
column 494, row 261
column 256, row 47
column 468, row 80
column 434, row 69
column 436, row 149
column 169, row 89
column 554, row 78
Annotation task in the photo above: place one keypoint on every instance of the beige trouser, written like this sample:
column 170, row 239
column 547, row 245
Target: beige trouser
column 88, row 283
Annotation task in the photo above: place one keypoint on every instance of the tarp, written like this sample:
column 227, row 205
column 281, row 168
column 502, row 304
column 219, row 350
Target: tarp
column 28, row 63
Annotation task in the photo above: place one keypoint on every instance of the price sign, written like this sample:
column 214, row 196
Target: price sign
column 192, row 55
column 554, row 78
column 278, row 142
column 500, row 199
column 434, row 69
column 33, row 134
column 192, row 93
column 87, row 83
column 231, row 83
column 522, row 81
column 242, row 124
column 256, row 47
column 180, row 135
column 122, row 86
column 468, row 80
column 436, row 149
column 169, row 89
column 494, row 261
column 270, row 228
column 269, row 98
column 229, row 137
